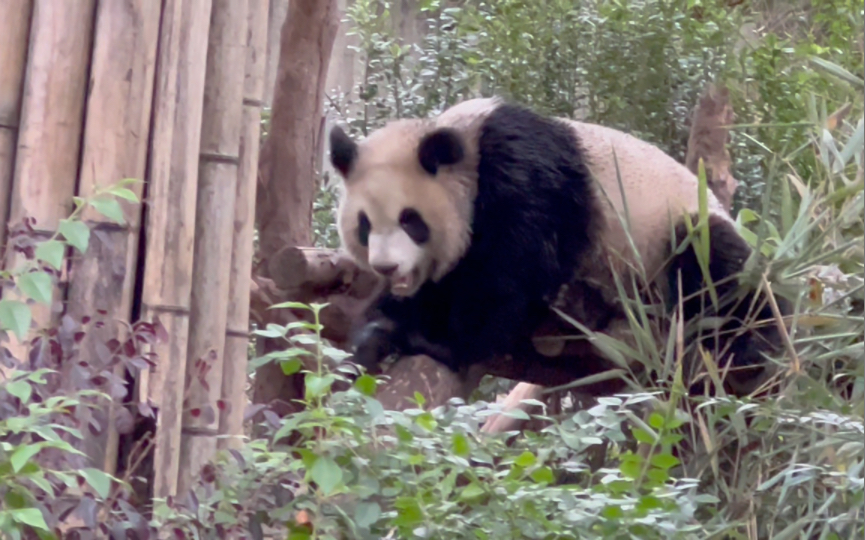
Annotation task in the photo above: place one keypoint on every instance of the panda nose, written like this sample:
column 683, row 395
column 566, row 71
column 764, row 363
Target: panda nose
column 387, row 270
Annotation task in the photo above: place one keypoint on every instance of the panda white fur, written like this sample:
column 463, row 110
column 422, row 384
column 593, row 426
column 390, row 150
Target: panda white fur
column 484, row 216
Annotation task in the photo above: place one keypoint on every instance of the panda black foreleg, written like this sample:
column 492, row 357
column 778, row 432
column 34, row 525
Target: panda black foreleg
column 397, row 326
column 748, row 329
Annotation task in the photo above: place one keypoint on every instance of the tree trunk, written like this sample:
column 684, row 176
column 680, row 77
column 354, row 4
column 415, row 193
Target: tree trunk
column 287, row 187
column 284, row 203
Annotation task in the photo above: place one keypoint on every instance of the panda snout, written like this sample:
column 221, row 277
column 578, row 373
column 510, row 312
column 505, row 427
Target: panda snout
column 386, row 270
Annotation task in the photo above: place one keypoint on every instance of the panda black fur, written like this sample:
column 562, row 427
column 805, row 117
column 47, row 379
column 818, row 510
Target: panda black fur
column 480, row 217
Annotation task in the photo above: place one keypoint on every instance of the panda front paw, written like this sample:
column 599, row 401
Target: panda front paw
column 372, row 344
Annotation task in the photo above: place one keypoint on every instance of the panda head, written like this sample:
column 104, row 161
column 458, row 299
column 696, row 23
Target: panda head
column 405, row 210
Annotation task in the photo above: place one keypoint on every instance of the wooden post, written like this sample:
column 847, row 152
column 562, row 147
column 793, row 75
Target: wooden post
column 217, row 189
column 116, row 133
column 14, row 34
column 237, row 328
column 49, row 139
column 171, row 191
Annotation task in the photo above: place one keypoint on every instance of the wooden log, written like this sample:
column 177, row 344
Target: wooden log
column 117, row 128
column 234, row 377
column 170, row 223
column 217, row 190
column 49, row 139
column 431, row 379
column 14, row 34
column 329, row 276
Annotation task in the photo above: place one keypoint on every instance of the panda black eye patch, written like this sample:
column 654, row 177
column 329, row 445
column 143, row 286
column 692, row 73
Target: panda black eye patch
column 363, row 229
column 414, row 226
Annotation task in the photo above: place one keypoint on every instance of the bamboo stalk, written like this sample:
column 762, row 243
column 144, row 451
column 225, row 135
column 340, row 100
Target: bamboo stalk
column 14, row 34
column 217, row 188
column 49, row 139
column 115, row 147
column 236, row 330
column 172, row 185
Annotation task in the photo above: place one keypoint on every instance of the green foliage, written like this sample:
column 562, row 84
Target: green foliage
column 42, row 481
column 353, row 468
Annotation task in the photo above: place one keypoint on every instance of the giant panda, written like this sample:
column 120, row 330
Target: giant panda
column 483, row 218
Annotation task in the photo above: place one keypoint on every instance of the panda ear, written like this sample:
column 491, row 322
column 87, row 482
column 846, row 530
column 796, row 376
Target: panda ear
column 343, row 151
column 441, row 147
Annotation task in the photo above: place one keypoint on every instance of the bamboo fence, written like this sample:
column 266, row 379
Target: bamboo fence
column 94, row 92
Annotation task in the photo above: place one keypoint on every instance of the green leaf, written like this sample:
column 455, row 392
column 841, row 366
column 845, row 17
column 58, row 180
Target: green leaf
column 471, row 491
column 15, row 316
column 544, row 475
column 51, row 252
column 612, row 512
column 317, row 386
column 290, row 367
column 460, row 445
column 366, row 513
column 22, row 455
column 366, row 384
column 326, row 473
column 30, row 516
column 123, row 193
column 20, row 389
column 656, row 421
column 98, row 480
column 418, row 397
column 658, row 475
column 643, row 436
column 76, row 233
column 631, row 469
column 664, row 461
column 409, row 512
column 36, row 285
column 426, row 421
column 109, row 208
column 290, row 305
column 403, row 434
column 128, row 181
column 518, row 414
column 525, row 460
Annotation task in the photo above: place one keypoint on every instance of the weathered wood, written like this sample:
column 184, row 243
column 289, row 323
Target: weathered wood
column 14, row 34
column 49, row 137
column 234, row 377
column 424, row 375
column 217, row 190
column 116, row 132
column 171, row 194
column 708, row 140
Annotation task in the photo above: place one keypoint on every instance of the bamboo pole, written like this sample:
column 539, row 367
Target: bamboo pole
column 170, row 223
column 115, row 146
column 14, row 34
column 237, row 328
column 49, row 139
column 217, row 188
